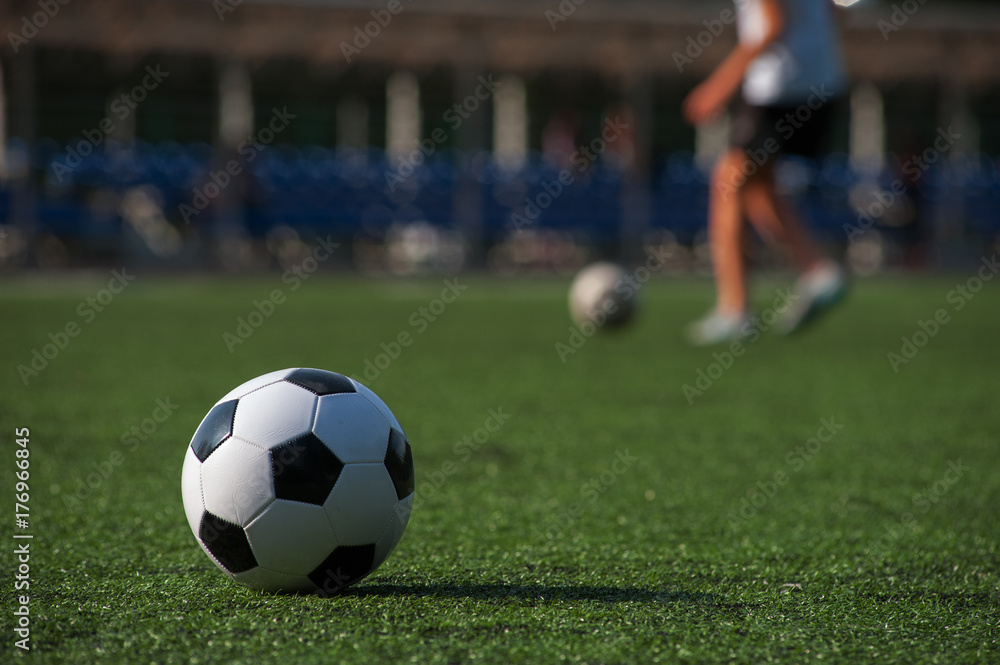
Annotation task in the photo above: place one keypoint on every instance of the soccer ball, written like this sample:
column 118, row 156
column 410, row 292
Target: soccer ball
column 299, row 480
column 601, row 295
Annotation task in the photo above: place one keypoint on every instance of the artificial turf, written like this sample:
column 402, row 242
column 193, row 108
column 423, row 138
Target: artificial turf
column 604, row 522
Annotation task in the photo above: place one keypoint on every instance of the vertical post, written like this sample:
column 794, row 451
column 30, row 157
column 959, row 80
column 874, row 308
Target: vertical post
column 510, row 122
column 402, row 118
column 3, row 126
column 470, row 137
column 235, row 103
column 955, row 116
column 635, row 203
column 235, row 125
column 868, row 143
column 23, row 113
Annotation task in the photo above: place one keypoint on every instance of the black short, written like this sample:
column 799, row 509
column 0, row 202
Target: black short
column 784, row 130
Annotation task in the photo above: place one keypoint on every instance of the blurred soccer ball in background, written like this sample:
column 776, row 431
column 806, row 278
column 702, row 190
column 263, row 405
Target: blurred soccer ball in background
column 602, row 296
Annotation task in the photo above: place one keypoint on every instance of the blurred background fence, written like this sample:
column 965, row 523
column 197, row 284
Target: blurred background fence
column 525, row 136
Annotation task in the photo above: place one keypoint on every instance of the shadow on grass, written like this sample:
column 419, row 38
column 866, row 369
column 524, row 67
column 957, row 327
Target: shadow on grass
column 538, row 592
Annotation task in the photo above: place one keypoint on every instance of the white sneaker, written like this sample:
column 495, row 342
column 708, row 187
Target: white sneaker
column 818, row 290
column 717, row 328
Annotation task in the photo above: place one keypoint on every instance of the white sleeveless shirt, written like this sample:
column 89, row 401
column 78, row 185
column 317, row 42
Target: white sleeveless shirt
column 805, row 56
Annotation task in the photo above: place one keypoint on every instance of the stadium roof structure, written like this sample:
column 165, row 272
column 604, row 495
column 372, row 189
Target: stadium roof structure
column 616, row 37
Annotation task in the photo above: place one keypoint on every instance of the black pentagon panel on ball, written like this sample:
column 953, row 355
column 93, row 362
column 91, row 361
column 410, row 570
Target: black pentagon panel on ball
column 304, row 470
column 227, row 542
column 345, row 566
column 321, row 382
column 216, row 428
column 399, row 463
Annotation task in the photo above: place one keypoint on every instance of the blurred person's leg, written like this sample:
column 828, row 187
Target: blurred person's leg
column 777, row 221
column 756, row 144
column 821, row 281
column 726, row 232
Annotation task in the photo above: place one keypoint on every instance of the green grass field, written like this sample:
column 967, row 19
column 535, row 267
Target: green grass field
column 611, row 519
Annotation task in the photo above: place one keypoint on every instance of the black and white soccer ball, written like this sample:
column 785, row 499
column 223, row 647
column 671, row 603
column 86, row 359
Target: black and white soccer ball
column 300, row 480
column 602, row 295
